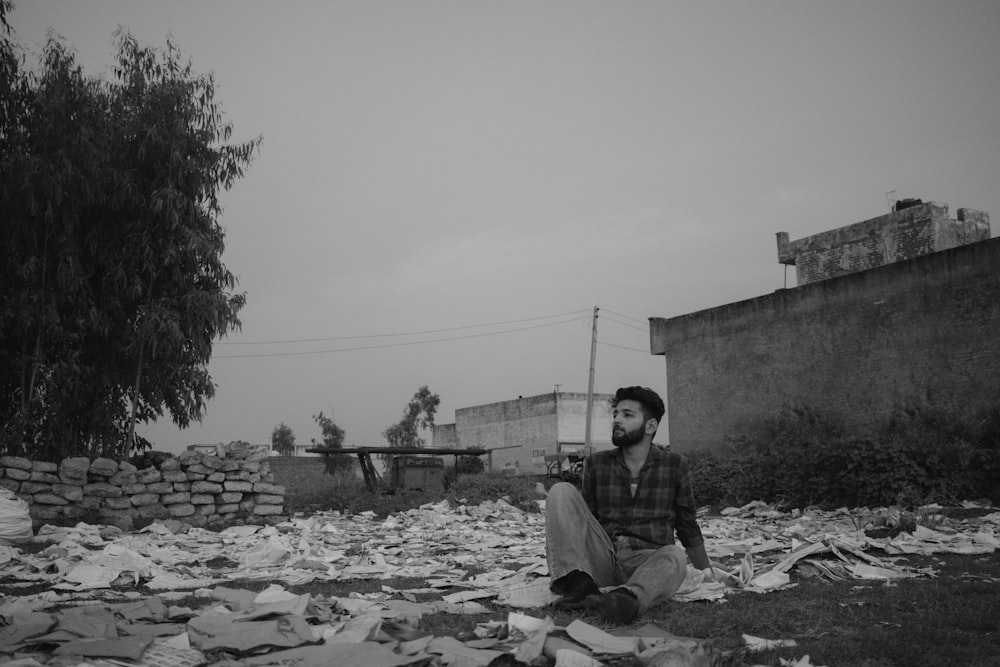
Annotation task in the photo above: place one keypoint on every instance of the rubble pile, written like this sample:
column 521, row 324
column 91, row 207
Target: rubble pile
column 230, row 486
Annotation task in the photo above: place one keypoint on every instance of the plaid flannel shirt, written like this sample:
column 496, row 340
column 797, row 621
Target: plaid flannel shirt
column 663, row 500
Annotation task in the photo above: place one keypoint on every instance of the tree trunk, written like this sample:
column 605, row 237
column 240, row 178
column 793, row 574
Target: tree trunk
column 130, row 441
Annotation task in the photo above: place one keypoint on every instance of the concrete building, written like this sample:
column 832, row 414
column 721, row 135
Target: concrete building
column 899, row 308
column 523, row 431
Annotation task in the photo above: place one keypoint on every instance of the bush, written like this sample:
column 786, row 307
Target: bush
column 920, row 453
column 518, row 490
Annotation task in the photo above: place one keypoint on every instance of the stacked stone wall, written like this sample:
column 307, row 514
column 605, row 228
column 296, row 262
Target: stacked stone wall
column 229, row 487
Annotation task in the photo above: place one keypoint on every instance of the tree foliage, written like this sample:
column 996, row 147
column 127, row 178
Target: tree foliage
column 283, row 439
column 333, row 437
column 112, row 288
column 417, row 417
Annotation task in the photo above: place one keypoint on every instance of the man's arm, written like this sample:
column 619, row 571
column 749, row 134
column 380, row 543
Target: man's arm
column 698, row 557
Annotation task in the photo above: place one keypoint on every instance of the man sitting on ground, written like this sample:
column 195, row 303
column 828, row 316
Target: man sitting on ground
column 620, row 530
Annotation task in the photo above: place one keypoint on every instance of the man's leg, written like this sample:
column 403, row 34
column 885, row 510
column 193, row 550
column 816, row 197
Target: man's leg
column 574, row 539
column 653, row 575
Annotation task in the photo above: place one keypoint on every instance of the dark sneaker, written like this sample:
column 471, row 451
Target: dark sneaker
column 618, row 606
column 574, row 588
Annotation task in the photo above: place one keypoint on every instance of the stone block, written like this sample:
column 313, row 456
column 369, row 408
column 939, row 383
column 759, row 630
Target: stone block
column 47, row 512
column 18, row 462
column 175, row 498
column 230, row 497
column 29, row 487
column 103, row 466
column 75, row 481
column 160, row 487
column 251, row 466
column 70, row 492
column 170, row 464
column 206, row 487
column 228, row 508
column 182, row 486
column 125, row 466
column 43, row 466
column 10, row 484
column 180, row 509
column 141, row 499
column 148, row 476
column 122, row 503
column 207, row 510
column 43, row 477
column 242, row 487
column 102, row 490
column 213, row 462
column 133, row 489
column 199, row 469
column 267, row 510
column 217, row 477
column 189, row 458
column 269, row 499
column 121, row 478
column 174, row 476
column 202, row 499
column 153, row 511
column 74, row 512
column 194, row 476
column 262, row 487
column 89, row 502
column 49, row 499
column 75, row 467
column 242, row 475
column 229, row 465
column 18, row 474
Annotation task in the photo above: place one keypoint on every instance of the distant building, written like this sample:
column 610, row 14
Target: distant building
column 900, row 308
column 522, row 431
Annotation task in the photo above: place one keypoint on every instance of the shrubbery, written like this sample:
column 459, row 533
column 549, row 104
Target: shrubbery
column 801, row 457
column 518, row 490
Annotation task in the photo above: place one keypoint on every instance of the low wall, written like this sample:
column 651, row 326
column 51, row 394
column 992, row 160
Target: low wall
column 230, row 487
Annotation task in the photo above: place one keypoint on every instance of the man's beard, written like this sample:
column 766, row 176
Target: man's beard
column 622, row 438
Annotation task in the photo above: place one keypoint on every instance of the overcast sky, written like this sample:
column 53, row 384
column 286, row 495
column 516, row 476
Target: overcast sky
column 438, row 166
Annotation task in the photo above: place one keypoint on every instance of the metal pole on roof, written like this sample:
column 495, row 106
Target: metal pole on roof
column 590, row 385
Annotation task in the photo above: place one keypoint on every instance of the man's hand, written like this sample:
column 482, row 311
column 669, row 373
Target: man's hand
column 717, row 573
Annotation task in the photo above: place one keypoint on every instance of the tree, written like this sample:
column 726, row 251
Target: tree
column 417, row 416
column 333, row 437
column 283, row 440
column 112, row 288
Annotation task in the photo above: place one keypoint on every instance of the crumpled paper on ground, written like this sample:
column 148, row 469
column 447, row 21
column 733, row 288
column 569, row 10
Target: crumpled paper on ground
column 91, row 565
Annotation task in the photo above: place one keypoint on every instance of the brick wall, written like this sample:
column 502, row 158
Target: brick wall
column 926, row 328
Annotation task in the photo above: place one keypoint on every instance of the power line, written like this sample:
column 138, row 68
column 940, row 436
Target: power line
column 622, row 347
column 626, row 324
column 385, row 345
column 643, row 322
column 409, row 333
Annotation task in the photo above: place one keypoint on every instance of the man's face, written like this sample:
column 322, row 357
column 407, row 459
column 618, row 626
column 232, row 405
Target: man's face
column 628, row 425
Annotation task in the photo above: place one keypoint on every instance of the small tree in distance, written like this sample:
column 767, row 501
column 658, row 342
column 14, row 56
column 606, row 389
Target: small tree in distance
column 418, row 416
column 333, row 437
column 283, row 440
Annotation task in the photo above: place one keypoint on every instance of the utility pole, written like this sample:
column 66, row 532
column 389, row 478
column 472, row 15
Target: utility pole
column 587, row 447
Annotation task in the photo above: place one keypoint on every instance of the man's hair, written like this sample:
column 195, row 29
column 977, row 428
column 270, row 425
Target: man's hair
column 652, row 404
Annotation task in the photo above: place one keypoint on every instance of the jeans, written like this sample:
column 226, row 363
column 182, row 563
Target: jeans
column 575, row 540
